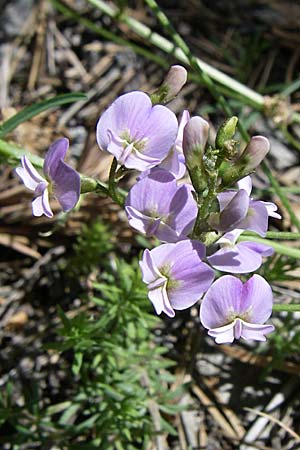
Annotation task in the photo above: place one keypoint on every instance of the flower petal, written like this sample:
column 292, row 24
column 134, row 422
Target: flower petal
column 139, row 221
column 153, row 193
column 149, row 268
column 160, row 301
column 56, row 153
column 175, row 161
column 28, row 174
column 221, row 301
column 255, row 331
column 271, row 208
column 257, row 299
column 262, row 249
column 256, row 219
column 40, row 205
column 37, row 206
column 246, row 184
column 46, row 205
column 66, row 183
column 234, row 212
column 225, row 197
column 190, row 275
column 223, row 335
column 161, row 131
column 127, row 113
column 183, row 210
column 243, row 257
column 157, row 282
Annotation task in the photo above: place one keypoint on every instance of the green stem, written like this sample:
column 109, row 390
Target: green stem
column 291, row 307
column 279, row 248
column 249, row 96
column 287, row 189
column 68, row 12
column 283, row 235
column 205, row 208
column 112, row 188
column 289, row 137
column 11, row 154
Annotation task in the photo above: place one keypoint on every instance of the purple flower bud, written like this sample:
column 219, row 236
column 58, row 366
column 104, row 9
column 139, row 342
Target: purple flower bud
column 232, row 310
column 242, row 257
column 175, row 275
column 61, row 180
column 174, row 81
column 195, row 136
column 138, row 134
column 255, row 152
column 156, row 206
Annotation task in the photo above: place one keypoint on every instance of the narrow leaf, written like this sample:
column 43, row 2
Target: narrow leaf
column 33, row 110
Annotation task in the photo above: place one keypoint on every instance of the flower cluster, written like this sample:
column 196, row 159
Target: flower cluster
column 193, row 196
column 181, row 269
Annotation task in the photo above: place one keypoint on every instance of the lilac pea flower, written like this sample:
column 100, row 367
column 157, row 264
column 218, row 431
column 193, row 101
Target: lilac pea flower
column 156, row 206
column 138, row 134
column 60, row 179
column 239, row 210
column 175, row 275
column 241, row 257
column 233, row 310
column 175, row 161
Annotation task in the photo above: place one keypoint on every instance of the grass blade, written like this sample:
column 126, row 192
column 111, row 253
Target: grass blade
column 33, row 110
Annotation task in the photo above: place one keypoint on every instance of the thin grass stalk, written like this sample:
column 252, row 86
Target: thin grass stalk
column 249, row 96
column 108, row 35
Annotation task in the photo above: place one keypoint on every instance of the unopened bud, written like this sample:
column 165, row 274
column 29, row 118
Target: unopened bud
column 255, row 152
column 174, row 81
column 171, row 86
column 226, row 132
column 195, row 135
column 251, row 157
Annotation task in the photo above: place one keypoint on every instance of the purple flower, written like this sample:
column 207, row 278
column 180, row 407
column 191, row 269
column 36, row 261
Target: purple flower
column 232, row 310
column 239, row 210
column 175, row 161
column 175, row 275
column 156, row 206
column 60, row 179
column 138, row 134
column 242, row 257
